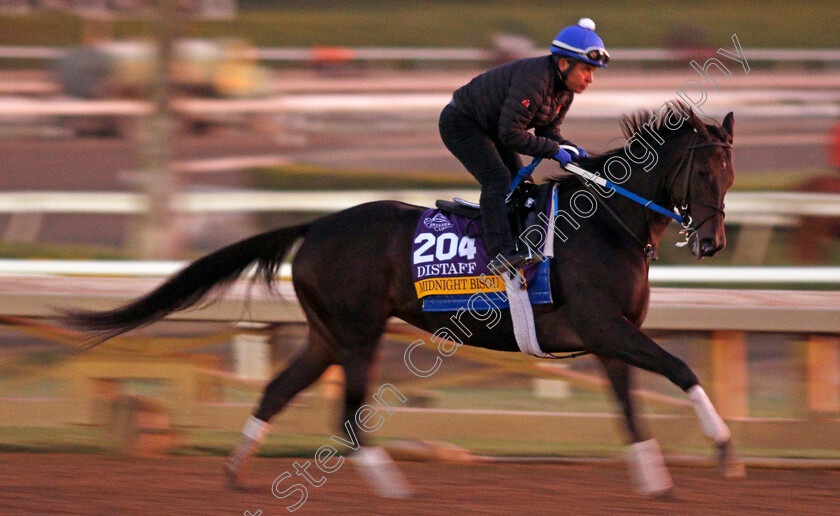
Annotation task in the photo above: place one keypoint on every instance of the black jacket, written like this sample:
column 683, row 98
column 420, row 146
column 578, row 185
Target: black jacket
column 510, row 99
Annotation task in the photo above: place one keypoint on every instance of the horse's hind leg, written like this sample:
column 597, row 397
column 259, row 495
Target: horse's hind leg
column 372, row 462
column 304, row 370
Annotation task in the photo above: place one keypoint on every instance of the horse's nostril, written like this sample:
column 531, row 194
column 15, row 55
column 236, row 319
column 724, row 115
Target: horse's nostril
column 709, row 246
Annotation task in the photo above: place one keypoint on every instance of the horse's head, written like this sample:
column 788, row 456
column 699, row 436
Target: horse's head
column 700, row 183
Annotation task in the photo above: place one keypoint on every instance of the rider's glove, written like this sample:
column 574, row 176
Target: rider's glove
column 582, row 153
column 563, row 157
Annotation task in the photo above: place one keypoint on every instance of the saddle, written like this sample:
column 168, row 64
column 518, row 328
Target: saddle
column 449, row 261
column 522, row 207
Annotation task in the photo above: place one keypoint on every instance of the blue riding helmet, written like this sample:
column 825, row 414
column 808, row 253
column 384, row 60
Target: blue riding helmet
column 580, row 42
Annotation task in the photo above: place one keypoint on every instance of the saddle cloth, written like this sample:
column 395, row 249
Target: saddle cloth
column 449, row 264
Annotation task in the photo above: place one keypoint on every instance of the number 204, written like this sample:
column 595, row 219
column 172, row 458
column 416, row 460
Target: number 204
column 446, row 246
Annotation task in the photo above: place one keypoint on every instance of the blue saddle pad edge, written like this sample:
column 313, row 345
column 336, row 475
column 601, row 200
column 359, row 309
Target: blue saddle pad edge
column 539, row 292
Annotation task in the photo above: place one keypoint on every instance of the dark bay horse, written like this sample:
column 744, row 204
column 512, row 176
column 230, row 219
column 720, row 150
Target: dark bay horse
column 353, row 272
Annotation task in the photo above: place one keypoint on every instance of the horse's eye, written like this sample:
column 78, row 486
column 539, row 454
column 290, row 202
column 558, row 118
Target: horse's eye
column 704, row 173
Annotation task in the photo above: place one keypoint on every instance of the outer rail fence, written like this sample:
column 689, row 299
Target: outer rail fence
column 774, row 208
column 30, row 289
column 660, row 275
column 603, row 105
column 759, row 213
column 315, row 54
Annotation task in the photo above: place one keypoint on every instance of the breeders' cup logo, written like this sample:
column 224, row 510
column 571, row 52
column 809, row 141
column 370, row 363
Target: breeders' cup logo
column 438, row 223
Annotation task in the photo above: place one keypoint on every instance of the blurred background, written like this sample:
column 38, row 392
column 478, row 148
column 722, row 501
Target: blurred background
column 138, row 134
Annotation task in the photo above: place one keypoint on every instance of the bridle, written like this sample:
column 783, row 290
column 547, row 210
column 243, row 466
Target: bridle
column 687, row 164
column 684, row 218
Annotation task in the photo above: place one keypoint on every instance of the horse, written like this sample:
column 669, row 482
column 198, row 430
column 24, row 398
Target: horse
column 353, row 271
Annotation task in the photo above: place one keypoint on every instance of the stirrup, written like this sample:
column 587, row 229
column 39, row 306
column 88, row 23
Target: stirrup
column 511, row 262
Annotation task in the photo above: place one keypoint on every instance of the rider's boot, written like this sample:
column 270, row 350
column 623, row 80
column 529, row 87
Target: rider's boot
column 498, row 237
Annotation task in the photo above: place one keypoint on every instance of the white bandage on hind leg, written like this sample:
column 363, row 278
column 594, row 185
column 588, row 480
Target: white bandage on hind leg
column 256, row 429
column 253, row 435
column 712, row 424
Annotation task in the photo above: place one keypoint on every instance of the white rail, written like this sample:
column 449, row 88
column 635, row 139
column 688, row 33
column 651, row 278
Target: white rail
column 597, row 105
column 659, row 274
column 681, row 309
column 305, row 54
column 754, row 207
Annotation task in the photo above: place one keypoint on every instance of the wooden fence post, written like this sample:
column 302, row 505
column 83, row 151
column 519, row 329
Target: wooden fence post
column 823, row 385
column 730, row 384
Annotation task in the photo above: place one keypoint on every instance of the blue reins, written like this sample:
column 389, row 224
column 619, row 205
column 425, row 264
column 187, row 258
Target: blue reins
column 571, row 167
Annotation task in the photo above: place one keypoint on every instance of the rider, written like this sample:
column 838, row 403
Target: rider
column 486, row 123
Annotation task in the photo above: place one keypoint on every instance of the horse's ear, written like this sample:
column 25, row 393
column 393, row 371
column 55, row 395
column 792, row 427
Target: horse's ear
column 728, row 125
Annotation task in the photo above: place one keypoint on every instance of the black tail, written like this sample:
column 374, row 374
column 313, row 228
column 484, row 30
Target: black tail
column 190, row 285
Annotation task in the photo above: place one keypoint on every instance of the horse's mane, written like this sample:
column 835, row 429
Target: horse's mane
column 645, row 121
column 635, row 123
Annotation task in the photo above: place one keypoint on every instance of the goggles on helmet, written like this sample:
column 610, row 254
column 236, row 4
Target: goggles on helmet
column 596, row 54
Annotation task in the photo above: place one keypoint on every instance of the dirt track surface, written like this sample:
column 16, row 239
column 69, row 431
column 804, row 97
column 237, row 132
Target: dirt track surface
column 93, row 485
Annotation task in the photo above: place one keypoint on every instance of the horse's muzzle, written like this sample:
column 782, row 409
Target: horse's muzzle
column 708, row 246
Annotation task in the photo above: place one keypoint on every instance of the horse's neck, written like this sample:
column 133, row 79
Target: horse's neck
column 651, row 185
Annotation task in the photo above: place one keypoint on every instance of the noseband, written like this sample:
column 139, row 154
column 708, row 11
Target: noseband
column 687, row 164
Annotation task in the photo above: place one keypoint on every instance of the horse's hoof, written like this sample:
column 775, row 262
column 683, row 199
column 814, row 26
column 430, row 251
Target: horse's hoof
column 380, row 471
column 647, row 467
column 665, row 494
column 662, row 492
column 734, row 469
column 233, row 481
column 731, row 466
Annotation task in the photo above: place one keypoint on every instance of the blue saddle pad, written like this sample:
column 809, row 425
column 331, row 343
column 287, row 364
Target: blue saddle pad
column 450, row 267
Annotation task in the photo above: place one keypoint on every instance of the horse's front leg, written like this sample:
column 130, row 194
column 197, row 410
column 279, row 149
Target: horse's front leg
column 618, row 373
column 714, row 428
column 643, row 454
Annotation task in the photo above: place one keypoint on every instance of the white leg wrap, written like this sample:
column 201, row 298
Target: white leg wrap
column 648, row 468
column 256, row 429
column 381, row 472
column 712, row 424
column 253, row 435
